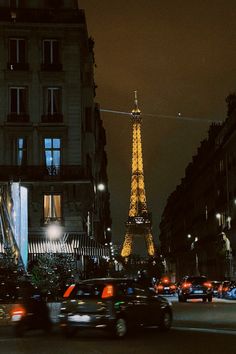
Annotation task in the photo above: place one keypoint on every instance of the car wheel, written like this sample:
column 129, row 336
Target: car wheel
column 210, row 299
column 120, row 328
column 166, row 321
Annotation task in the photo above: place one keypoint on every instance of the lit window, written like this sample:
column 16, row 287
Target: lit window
column 18, row 100
column 51, row 52
column 52, row 207
column 52, row 150
column 21, row 151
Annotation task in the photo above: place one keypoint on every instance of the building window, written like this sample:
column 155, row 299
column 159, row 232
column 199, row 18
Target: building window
column 52, row 151
column 52, row 207
column 53, row 101
column 18, row 105
column 21, row 151
column 51, row 55
column 17, row 54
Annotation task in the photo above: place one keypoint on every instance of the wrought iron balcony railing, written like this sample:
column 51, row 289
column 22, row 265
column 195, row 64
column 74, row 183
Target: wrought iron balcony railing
column 18, row 66
column 18, row 118
column 43, row 173
column 52, row 118
column 51, row 67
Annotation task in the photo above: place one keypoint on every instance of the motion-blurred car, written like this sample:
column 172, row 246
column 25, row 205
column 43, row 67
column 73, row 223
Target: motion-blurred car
column 216, row 285
column 195, row 287
column 115, row 305
column 223, row 288
column 165, row 287
column 230, row 293
column 22, row 307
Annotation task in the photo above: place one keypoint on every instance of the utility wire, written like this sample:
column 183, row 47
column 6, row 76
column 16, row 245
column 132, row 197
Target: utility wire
column 177, row 117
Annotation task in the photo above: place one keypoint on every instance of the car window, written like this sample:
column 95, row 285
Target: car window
column 87, row 291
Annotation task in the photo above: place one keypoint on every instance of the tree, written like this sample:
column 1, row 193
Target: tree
column 51, row 274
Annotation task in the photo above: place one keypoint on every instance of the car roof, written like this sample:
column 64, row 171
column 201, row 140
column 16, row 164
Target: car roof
column 106, row 280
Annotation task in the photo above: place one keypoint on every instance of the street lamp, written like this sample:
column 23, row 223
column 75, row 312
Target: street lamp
column 54, row 231
column 101, row 187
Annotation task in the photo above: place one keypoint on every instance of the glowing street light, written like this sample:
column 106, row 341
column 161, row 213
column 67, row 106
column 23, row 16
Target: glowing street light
column 54, row 231
column 101, row 187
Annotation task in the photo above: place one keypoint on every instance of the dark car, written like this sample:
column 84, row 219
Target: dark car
column 112, row 304
column 195, row 287
column 223, row 288
column 216, row 287
column 23, row 307
column 165, row 287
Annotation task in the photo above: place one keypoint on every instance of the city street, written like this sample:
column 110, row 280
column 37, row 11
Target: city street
column 198, row 328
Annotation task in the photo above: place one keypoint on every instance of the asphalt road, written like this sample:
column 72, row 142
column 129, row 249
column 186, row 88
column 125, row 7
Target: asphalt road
column 201, row 328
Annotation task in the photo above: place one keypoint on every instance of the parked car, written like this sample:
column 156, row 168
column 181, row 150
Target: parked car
column 22, row 306
column 165, row 287
column 112, row 304
column 216, row 286
column 230, row 293
column 223, row 288
column 195, row 287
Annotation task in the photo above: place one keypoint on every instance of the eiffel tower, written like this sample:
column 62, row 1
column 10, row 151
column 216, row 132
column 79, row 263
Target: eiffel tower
column 139, row 220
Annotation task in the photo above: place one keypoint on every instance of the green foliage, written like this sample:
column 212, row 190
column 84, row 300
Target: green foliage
column 51, row 274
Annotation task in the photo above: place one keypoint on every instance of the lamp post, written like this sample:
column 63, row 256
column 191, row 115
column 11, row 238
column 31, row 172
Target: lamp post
column 193, row 248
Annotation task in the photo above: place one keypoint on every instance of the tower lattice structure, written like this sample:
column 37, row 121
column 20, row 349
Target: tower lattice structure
column 139, row 221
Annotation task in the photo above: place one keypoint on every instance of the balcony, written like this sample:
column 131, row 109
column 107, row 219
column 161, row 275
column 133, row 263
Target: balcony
column 52, row 118
column 51, row 67
column 42, row 15
column 44, row 174
column 18, row 66
column 18, row 118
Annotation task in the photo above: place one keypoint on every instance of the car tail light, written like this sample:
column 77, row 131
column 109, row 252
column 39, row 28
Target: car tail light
column 165, row 280
column 187, row 285
column 160, row 287
column 18, row 312
column 108, row 291
column 226, row 288
column 68, row 291
column 208, row 284
column 173, row 287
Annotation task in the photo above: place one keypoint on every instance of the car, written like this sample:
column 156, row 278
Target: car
column 165, row 287
column 215, row 287
column 230, row 291
column 22, row 307
column 113, row 304
column 195, row 287
column 223, row 288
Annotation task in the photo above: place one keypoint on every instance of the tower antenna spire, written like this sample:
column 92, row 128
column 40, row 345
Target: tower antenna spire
column 136, row 111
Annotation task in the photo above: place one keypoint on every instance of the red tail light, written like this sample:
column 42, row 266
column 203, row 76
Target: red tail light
column 68, row 291
column 108, row 291
column 226, row 288
column 160, row 287
column 187, row 285
column 173, row 287
column 18, row 311
column 208, row 284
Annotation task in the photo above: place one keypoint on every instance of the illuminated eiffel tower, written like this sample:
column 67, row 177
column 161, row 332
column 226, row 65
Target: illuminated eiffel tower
column 139, row 221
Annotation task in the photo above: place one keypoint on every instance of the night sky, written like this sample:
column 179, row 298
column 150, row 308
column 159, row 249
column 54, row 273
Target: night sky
column 181, row 57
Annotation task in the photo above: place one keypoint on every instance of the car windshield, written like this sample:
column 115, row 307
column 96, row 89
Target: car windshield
column 87, row 291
